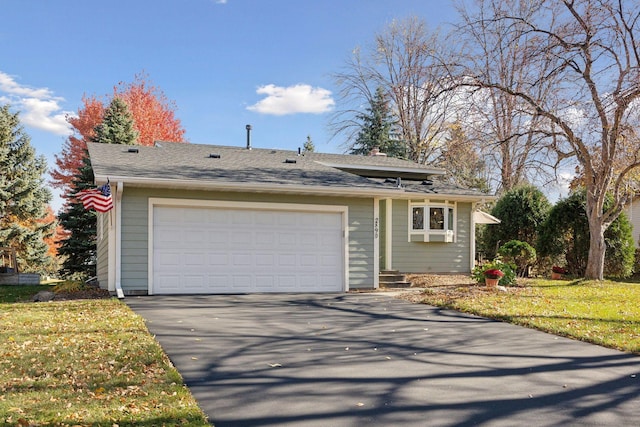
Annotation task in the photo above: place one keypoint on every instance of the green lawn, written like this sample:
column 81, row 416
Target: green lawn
column 85, row 362
column 605, row 313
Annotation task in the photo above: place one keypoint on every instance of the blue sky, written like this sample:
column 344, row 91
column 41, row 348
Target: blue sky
column 225, row 64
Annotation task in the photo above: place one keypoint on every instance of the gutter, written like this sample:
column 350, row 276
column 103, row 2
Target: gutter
column 395, row 193
column 119, row 188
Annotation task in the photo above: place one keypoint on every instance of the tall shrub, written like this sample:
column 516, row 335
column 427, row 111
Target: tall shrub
column 521, row 211
column 565, row 234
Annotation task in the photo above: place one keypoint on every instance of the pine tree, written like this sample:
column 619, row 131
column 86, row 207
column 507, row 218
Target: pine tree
column 308, row 146
column 117, row 126
column 378, row 130
column 79, row 248
column 23, row 197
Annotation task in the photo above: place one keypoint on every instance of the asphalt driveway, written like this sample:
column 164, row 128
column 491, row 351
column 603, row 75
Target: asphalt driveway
column 373, row 360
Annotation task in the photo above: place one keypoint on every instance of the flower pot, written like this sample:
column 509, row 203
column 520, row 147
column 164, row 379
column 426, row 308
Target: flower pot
column 555, row 276
column 491, row 283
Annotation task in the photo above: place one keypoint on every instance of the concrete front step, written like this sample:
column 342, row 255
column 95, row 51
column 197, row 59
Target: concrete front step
column 388, row 285
column 393, row 279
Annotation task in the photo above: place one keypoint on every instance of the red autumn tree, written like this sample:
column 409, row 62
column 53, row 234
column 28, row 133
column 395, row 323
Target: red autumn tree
column 53, row 241
column 73, row 150
column 153, row 114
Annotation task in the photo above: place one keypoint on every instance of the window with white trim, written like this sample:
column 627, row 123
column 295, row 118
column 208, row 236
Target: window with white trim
column 432, row 222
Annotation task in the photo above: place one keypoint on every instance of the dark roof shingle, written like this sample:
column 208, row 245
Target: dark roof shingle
column 224, row 164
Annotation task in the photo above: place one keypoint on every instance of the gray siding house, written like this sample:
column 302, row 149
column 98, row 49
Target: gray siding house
column 204, row 219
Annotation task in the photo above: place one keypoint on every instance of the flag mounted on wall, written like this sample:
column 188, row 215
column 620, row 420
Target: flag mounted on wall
column 97, row 198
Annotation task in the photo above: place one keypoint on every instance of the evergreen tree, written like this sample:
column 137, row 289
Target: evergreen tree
column 522, row 211
column 308, row 146
column 23, row 197
column 117, row 126
column 79, row 249
column 378, row 129
column 564, row 237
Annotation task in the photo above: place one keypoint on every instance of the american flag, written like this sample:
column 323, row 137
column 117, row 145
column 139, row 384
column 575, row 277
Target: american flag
column 97, row 198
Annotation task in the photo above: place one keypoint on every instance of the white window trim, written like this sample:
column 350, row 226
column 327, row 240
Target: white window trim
column 452, row 232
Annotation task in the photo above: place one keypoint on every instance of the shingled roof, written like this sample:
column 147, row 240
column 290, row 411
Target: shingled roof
column 178, row 164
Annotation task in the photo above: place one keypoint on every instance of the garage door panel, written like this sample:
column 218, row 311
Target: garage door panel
column 240, row 239
column 218, row 259
column 264, row 238
column 287, row 260
column 327, row 260
column 193, row 236
column 266, row 219
column 194, row 281
column 241, row 282
column 216, row 250
column 168, row 236
column 167, row 259
column 218, row 282
column 330, row 240
column 264, row 283
column 308, row 260
column 242, row 217
column 264, row 260
column 169, row 283
column 287, row 238
column 217, row 237
column 242, row 259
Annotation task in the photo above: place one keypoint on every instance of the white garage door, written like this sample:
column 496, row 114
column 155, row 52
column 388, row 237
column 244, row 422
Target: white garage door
column 229, row 250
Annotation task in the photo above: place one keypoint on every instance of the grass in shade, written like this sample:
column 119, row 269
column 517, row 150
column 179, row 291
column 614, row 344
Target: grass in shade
column 85, row 362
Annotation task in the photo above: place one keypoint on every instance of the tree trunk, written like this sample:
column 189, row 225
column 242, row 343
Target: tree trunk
column 597, row 248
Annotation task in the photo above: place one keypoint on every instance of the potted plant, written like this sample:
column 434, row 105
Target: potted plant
column 494, row 272
column 492, row 277
column 557, row 272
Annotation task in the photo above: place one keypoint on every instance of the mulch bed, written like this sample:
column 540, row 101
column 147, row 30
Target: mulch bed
column 93, row 293
column 450, row 286
column 445, row 287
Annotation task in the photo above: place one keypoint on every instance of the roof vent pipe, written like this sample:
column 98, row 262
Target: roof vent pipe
column 248, row 127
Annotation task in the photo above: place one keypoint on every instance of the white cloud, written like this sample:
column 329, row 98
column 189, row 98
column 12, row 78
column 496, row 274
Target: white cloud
column 38, row 107
column 300, row 98
column 560, row 188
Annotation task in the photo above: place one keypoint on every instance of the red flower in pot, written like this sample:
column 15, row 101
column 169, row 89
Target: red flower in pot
column 493, row 273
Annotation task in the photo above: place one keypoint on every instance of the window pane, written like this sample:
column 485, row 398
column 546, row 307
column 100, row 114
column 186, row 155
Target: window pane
column 450, row 226
column 436, row 218
column 418, row 218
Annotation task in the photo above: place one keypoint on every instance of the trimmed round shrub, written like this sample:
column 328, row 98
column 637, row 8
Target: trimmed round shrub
column 522, row 254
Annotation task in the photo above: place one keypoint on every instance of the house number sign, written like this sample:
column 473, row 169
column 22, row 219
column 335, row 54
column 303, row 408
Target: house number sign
column 376, row 223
